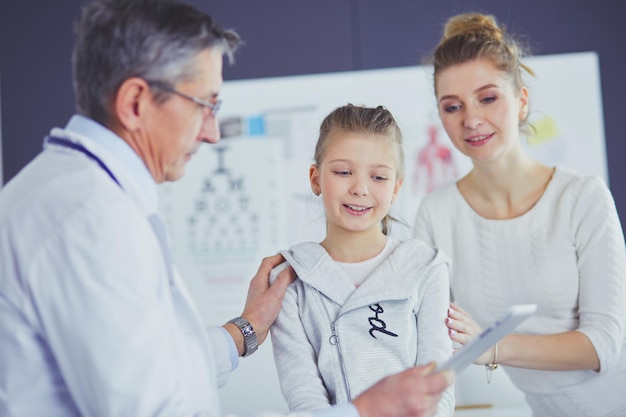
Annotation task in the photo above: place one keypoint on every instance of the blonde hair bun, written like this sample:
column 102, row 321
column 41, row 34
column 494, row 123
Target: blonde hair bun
column 477, row 24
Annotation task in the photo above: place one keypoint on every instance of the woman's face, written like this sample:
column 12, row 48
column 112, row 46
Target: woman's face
column 480, row 109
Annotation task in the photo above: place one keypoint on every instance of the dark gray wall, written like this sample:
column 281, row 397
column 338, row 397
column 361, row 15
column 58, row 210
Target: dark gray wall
column 302, row 37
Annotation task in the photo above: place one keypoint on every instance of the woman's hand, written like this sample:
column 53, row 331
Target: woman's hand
column 462, row 328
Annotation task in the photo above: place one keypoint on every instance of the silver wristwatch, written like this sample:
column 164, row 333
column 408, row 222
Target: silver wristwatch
column 251, row 343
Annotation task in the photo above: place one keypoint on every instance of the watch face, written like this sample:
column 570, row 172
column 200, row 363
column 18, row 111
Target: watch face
column 247, row 330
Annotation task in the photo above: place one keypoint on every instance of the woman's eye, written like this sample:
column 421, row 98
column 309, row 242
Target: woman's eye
column 488, row 100
column 379, row 178
column 451, row 108
column 342, row 173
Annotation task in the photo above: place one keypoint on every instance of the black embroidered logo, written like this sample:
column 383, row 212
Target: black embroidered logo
column 378, row 325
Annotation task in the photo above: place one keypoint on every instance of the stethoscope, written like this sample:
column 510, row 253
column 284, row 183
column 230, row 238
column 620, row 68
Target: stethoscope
column 157, row 225
column 160, row 234
column 80, row 148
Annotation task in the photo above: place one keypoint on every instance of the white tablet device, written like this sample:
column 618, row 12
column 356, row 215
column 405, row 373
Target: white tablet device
column 465, row 356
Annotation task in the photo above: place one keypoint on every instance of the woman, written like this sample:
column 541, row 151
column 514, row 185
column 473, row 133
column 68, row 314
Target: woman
column 519, row 231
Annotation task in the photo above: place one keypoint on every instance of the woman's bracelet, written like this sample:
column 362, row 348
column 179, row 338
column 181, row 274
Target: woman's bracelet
column 493, row 365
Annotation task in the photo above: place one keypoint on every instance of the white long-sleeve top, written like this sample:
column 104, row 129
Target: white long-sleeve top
column 567, row 255
column 332, row 341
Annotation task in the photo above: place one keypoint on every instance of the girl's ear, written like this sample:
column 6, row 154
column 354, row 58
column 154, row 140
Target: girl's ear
column 396, row 189
column 314, row 178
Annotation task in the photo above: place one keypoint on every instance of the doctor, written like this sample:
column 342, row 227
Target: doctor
column 94, row 320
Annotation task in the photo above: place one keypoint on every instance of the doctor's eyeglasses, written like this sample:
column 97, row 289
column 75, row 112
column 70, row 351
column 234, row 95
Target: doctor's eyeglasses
column 207, row 107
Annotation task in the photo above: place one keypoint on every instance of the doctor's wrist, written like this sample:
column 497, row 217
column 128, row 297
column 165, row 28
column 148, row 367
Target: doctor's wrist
column 243, row 335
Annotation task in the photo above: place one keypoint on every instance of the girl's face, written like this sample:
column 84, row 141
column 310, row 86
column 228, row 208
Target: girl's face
column 357, row 179
column 480, row 109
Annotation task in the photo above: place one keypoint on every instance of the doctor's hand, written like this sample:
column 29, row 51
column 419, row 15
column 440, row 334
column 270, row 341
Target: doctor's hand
column 264, row 300
column 414, row 392
column 462, row 328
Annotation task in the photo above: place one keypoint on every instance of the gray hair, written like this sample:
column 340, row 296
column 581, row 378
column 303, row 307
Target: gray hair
column 151, row 39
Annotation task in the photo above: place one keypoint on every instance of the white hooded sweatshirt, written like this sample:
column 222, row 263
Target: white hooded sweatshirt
column 332, row 341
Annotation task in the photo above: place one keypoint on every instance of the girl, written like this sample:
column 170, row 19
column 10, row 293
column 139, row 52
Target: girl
column 531, row 234
column 364, row 305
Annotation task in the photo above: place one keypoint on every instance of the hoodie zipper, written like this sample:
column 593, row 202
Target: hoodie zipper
column 334, row 340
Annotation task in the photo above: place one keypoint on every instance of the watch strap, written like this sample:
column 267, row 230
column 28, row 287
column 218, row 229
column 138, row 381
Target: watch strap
column 250, row 340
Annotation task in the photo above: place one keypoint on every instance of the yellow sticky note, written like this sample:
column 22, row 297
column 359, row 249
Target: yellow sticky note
column 544, row 130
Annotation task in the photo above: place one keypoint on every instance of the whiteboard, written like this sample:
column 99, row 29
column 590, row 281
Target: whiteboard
column 248, row 196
